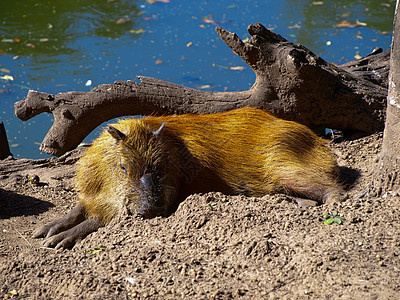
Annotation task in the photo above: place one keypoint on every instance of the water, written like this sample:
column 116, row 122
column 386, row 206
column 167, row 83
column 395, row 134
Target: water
column 58, row 46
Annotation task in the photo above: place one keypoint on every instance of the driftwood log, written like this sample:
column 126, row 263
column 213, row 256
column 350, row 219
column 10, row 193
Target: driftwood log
column 4, row 147
column 291, row 82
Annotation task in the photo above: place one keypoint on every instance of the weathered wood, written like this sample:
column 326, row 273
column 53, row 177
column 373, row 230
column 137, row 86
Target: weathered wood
column 4, row 147
column 291, row 82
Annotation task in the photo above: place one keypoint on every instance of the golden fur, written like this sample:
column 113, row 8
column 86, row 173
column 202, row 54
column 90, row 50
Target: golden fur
column 244, row 151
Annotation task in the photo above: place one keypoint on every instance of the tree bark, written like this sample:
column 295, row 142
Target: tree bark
column 387, row 177
column 291, row 82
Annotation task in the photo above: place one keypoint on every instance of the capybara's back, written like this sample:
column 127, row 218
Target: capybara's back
column 149, row 165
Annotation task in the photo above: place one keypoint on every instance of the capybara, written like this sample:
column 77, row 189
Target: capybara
column 150, row 165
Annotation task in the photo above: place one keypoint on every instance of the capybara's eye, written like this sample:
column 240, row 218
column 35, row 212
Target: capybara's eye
column 123, row 168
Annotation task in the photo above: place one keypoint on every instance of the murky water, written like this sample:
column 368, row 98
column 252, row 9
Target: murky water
column 59, row 46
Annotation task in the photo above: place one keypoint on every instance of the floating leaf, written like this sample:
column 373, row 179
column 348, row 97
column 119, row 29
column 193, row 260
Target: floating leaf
column 5, row 70
column 163, row 1
column 159, row 61
column 295, row 26
column 236, row 68
column 346, row 24
column 208, row 20
column 318, row 3
column 361, row 23
column 123, row 20
column 7, row 41
column 215, row 65
column 151, row 1
column 30, row 45
column 189, row 44
column 7, row 77
column 137, row 31
column 202, row 87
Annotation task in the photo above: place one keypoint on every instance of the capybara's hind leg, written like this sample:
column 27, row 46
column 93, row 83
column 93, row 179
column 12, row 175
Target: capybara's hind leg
column 333, row 195
column 305, row 194
column 305, row 202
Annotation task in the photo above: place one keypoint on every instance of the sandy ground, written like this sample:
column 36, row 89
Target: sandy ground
column 213, row 247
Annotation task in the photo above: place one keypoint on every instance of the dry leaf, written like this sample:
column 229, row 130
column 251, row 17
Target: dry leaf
column 208, row 20
column 137, row 31
column 237, row 68
column 202, row 87
column 123, row 20
column 361, row 23
column 346, row 24
column 159, row 61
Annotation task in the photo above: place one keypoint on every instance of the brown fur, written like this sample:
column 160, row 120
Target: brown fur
column 245, row 151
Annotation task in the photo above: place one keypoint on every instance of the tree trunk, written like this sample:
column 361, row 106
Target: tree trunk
column 387, row 177
column 291, row 82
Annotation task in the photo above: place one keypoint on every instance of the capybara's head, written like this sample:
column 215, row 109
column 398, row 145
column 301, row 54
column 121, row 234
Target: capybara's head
column 144, row 163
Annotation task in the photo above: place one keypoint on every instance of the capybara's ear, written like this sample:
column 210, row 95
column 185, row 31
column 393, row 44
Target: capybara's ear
column 115, row 133
column 159, row 130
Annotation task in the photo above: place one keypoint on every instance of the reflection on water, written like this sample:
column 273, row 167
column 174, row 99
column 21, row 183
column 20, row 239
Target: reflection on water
column 341, row 29
column 58, row 46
